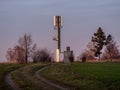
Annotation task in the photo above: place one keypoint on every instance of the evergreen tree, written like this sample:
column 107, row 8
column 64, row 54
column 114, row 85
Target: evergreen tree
column 99, row 40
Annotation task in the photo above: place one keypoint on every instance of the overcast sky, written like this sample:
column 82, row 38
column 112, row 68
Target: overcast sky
column 81, row 18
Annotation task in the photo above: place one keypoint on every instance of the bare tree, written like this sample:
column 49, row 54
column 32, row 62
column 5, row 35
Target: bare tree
column 86, row 55
column 21, row 52
column 89, row 52
column 111, row 51
column 15, row 55
column 25, row 42
column 35, row 54
column 10, row 55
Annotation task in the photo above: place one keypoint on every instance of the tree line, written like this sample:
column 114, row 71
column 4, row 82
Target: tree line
column 101, row 46
column 25, row 51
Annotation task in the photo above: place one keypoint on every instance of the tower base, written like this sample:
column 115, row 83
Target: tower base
column 57, row 55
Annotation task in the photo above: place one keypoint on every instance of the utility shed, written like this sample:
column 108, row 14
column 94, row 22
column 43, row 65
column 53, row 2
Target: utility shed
column 68, row 55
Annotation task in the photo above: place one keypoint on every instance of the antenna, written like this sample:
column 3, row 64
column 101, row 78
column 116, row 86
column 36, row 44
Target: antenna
column 58, row 25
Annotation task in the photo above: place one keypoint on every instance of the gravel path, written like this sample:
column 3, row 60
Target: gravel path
column 10, row 82
column 47, row 81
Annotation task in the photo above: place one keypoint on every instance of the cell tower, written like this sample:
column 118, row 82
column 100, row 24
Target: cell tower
column 58, row 26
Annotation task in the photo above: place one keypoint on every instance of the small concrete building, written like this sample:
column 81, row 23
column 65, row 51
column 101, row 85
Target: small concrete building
column 68, row 55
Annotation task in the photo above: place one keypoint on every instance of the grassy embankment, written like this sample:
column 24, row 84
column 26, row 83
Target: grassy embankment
column 4, row 69
column 86, row 76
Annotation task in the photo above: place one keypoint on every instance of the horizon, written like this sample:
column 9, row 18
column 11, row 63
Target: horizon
column 81, row 18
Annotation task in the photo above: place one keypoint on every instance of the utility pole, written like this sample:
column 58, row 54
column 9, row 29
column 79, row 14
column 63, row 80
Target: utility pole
column 58, row 26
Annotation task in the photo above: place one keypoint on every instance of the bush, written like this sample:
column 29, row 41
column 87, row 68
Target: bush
column 41, row 55
column 71, row 58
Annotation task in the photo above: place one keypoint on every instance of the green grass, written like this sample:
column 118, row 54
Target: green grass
column 25, row 79
column 86, row 76
column 77, row 76
column 4, row 69
column 36, row 67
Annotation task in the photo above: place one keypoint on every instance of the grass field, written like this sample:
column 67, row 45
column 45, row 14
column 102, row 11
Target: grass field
column 77, row 76
column 4, row 69
column 86, row 76
column 26, row 80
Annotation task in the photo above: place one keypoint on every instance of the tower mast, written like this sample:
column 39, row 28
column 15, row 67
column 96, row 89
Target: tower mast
column 57, row 26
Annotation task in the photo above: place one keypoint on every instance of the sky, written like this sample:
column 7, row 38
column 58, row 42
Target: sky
column 81, row 18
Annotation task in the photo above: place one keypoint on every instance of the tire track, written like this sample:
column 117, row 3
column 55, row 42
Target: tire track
column 40, row 80
column 10, row 83
column 47, row 81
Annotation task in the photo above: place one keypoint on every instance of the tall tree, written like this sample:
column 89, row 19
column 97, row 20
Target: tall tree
column 25, row 42
column 21, row 52
column 99, row 40
column 111, row 51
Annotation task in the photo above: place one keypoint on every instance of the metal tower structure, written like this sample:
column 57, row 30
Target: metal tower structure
column 58, row 26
